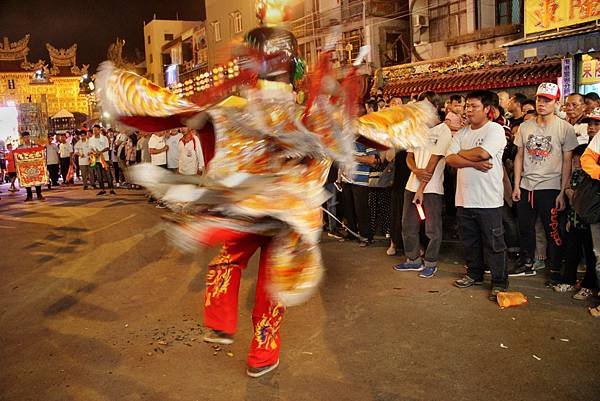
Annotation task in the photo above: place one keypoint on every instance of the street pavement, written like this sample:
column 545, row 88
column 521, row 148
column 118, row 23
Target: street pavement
column 95, row 304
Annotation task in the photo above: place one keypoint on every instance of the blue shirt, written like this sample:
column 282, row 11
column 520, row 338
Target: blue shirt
column 360, row 176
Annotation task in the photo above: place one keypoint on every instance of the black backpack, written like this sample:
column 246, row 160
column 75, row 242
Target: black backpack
column 586, row 199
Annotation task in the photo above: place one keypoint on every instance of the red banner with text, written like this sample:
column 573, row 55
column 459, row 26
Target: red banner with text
column 31, row 166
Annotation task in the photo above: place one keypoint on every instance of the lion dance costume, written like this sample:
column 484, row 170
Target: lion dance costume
column 267, row 159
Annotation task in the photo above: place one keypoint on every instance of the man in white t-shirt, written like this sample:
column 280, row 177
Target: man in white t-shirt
column 65, row 152
column 99, row 146
column 191, row 159
column 425, row 189
column 575, row 110
column 82, row 150
column 52, row 160
column 173, row 151
column 157, row 145
column 542, row 173
column 476, row 151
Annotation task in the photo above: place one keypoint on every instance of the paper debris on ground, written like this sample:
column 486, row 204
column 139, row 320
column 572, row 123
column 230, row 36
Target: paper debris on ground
column 509, row 299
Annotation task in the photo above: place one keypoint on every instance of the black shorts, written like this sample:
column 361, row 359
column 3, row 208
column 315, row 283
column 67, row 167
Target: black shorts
column 2, row 165
column 12, row 174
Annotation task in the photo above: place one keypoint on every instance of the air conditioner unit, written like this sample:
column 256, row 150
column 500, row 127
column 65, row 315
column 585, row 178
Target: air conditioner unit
column 420, row 21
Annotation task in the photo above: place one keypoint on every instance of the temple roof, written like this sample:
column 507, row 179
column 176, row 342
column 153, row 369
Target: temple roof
column 63, row 62
column 489, row 77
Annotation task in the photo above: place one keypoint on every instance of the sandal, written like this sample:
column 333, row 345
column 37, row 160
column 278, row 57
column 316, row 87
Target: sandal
column 595, row 312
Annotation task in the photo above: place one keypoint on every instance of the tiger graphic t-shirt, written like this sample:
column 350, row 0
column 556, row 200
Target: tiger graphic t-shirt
column 543, row 148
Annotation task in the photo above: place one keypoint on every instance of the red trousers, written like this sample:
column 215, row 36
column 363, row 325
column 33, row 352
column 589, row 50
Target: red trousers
column 221, row 297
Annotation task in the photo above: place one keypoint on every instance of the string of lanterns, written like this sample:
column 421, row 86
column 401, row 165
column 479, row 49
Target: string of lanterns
column 208, row 79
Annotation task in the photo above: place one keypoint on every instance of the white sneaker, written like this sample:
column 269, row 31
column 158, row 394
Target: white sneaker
column 258, row 372
column 564, row 288
column 583, row 294
column 218, row 337
column 391, row 251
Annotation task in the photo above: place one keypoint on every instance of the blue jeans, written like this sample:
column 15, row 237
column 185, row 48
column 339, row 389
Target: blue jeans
column 331, row 207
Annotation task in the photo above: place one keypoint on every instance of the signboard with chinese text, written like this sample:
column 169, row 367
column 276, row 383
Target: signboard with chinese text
column 567, row 77
column 31, row 166
column 544, row 15
column 589, row 73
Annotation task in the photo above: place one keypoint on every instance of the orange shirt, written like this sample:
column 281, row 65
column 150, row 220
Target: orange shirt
column 591, row 158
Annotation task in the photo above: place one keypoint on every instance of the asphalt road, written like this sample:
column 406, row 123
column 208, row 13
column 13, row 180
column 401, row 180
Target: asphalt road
column 95, row 304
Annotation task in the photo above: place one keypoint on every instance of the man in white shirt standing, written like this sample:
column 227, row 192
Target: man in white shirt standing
column 425, row 189
column 191, row 159
column 52, row 160
column 99, row 146
column 157, row 146
column 476, row 151
column 65, row 151
column 575, row 110
column 173, row 152
column 82, row 150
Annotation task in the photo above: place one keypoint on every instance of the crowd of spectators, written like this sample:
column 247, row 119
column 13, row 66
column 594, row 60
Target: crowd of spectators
column 506, row 166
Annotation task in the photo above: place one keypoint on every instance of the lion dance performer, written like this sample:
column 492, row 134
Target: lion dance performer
column 267, row 160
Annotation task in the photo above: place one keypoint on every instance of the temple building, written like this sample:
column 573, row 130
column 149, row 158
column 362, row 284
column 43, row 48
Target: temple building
column 32, row 92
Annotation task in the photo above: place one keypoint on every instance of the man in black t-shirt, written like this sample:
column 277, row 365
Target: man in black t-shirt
column 515, row 109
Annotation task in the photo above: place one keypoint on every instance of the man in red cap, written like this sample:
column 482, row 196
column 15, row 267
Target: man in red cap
column 542, row 172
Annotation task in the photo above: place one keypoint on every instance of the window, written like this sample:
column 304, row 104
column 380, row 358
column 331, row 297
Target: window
column 176, row 55
column 508, row 12
column 151, row 59
column 149, row 39
column 168, row 36
column 447, row 19
column 236, row 17
column 216, row 25
column 11, row 84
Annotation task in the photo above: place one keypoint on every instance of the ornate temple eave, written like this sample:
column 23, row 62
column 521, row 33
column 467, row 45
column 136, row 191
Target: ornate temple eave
column 463, row 63
column 14, row 51
column 62, row 57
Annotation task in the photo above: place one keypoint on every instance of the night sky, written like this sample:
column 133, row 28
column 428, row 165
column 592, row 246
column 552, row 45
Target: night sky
column 93, row 25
